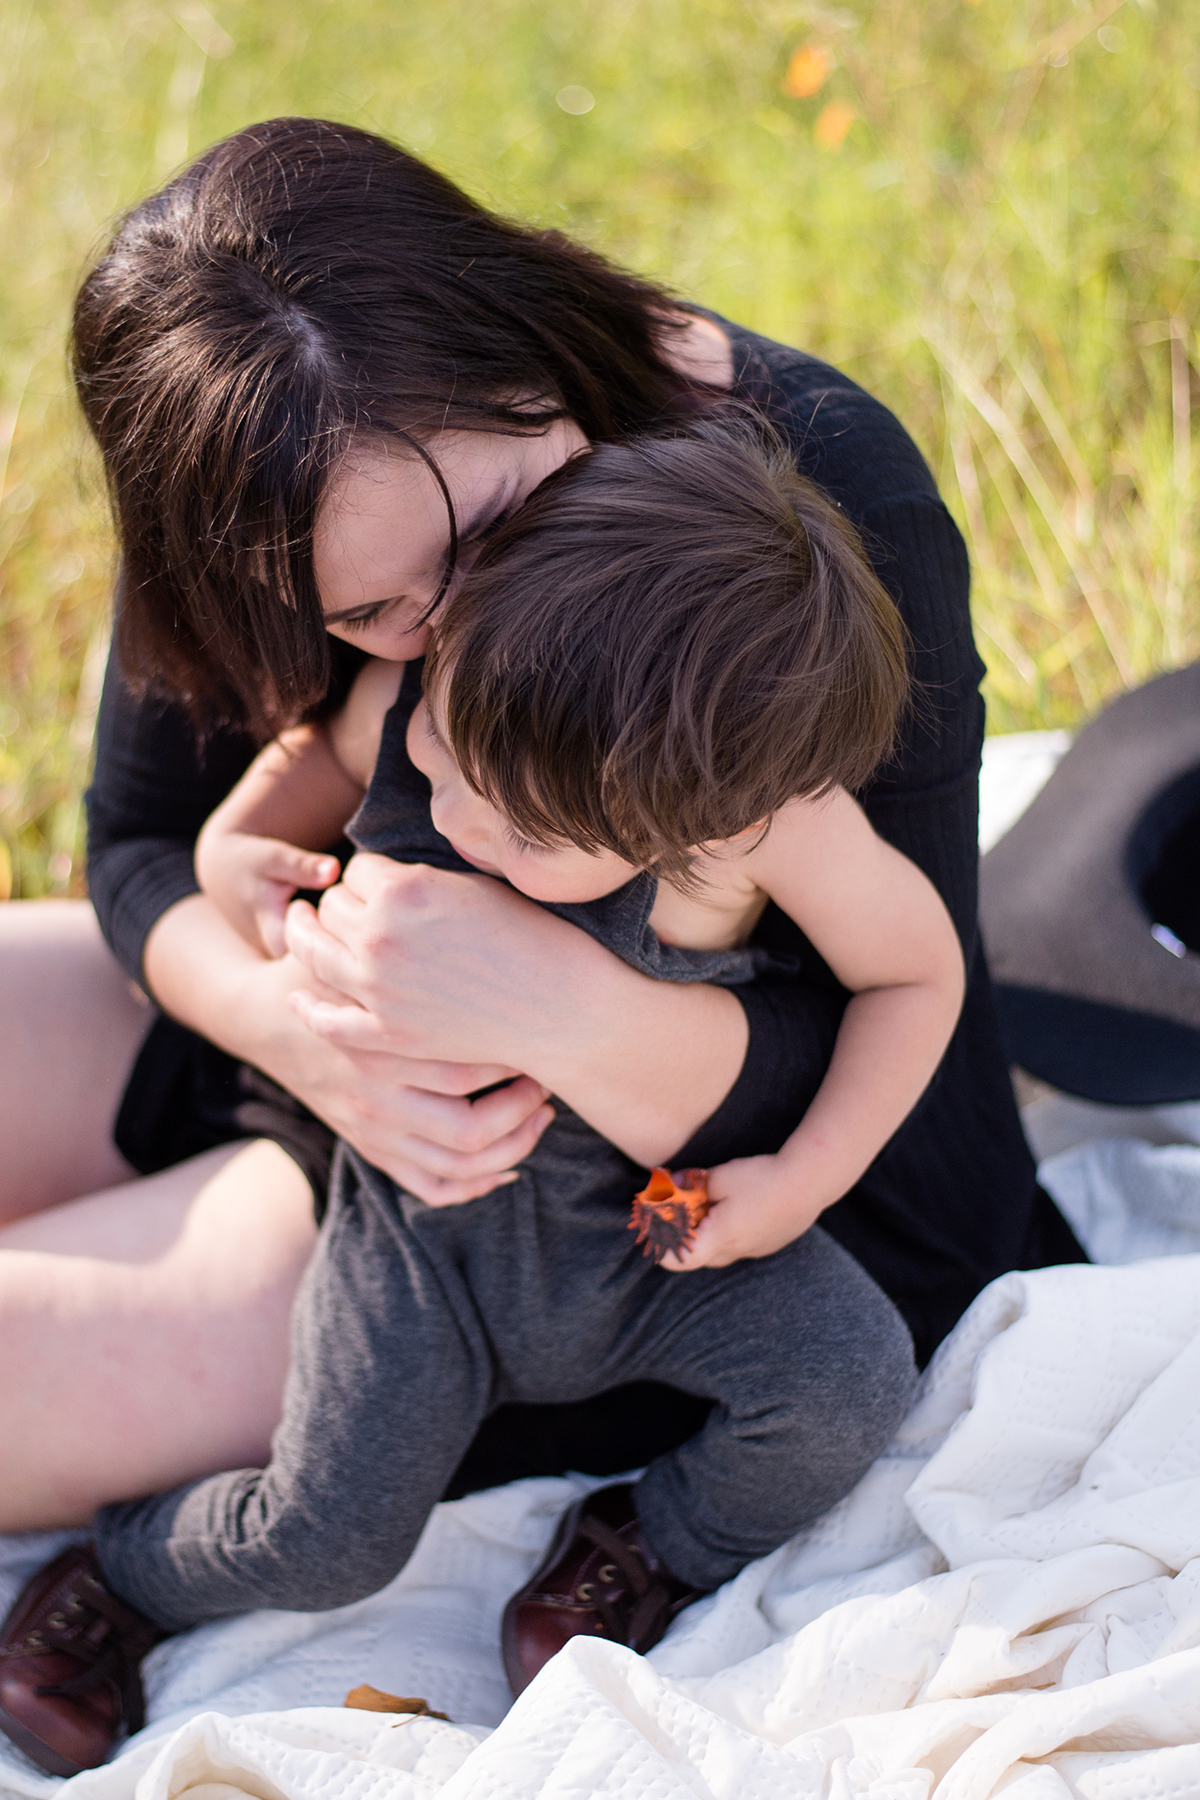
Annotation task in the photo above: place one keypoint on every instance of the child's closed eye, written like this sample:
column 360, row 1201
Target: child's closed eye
column 525, row 845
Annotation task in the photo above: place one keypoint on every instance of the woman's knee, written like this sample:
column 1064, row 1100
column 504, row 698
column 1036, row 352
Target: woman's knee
column 147, row 1332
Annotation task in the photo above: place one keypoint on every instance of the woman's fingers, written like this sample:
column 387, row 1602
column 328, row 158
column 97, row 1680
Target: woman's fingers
column 459, row 1079
column 368, row 875
column 353, row 1028
column 508, row 1107
column 436, row 1192
column 268, row 916
column 498, row 1158
column 453, row 1136
column 445, row 1148
column 279, row 869
column 350, row 1026
column 444, row 1176
column 464, row 1078
column 323, row 955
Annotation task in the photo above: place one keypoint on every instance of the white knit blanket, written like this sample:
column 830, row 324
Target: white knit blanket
column 1009, row 1601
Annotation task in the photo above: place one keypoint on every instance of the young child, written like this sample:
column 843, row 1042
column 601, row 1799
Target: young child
column 646, row 708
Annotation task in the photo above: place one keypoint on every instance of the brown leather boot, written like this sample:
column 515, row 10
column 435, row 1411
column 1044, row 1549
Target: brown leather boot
column 600, row 1578
column 69, row 1656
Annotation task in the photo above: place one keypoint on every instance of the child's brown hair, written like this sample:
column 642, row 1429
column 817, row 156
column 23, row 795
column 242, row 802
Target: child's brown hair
column 671, row 639
column 303, row 287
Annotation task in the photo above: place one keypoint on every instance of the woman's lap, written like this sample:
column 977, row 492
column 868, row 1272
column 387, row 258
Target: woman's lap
column 145, row 1324
column 146, row 1332
column 79, row 1025
column 185, row 1096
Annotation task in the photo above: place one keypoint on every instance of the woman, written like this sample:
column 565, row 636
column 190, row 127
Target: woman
column 320, row 376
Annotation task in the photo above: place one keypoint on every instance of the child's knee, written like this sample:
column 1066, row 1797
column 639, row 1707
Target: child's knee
column 837, row 1385
column 867, row 1376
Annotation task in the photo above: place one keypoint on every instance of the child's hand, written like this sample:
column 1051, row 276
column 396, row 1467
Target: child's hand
column 253, row 879
column 757, row 1209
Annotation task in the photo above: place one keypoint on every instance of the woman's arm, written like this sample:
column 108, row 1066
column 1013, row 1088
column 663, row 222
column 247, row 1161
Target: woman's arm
column 154, row 785
column 152, row 791
column 448, row 965
column 410, row 1117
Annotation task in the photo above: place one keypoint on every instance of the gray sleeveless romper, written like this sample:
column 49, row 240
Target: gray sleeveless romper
column 414, row 1323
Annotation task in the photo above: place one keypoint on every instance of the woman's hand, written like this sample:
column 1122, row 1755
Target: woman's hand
column 431, row 963
column 420, row 961
column 408, row 1116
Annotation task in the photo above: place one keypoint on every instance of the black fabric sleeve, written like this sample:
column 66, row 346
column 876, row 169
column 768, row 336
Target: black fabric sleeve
column 952, row 1200
column 925, row 801
column 155, row 783
column 153, row 787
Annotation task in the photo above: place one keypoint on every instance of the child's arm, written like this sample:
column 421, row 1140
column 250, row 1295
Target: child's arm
column 258, row 847
column 884, row 931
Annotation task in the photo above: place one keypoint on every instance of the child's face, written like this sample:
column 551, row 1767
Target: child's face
column 483, row 836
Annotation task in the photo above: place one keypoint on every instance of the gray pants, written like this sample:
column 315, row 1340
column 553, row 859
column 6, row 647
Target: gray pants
column 413, row 1323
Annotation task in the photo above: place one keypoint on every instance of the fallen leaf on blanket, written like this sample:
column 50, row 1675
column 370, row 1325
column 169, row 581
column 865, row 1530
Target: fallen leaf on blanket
column 668, row 1210
column 373, row 1699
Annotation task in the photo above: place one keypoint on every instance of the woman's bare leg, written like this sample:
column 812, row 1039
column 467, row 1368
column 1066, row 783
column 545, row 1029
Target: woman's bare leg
column 145, row 1332
column 72, row 1028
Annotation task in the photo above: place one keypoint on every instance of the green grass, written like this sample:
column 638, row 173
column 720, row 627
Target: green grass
column 1004, row 248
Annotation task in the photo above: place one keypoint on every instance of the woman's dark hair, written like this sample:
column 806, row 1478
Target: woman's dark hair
column 302, row 285
column 671, row 639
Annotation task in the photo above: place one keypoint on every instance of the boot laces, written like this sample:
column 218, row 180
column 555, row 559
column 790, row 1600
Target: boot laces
column 646, row 1606
column 108, row 1638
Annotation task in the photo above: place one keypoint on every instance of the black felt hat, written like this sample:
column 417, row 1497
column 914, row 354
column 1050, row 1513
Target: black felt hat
column 1090, row 907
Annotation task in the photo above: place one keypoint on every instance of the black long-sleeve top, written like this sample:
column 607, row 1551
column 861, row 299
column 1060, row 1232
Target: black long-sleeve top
column 952, row 1201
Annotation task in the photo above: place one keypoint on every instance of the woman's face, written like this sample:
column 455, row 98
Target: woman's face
column 382, row 535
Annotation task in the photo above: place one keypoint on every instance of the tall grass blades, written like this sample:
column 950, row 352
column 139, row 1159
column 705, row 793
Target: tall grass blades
column 985, row 212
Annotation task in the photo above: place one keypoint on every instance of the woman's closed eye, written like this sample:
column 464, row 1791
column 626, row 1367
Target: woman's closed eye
column 370, row 615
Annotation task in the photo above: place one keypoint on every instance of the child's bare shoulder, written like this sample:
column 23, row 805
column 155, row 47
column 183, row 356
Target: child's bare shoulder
column 355, row 731
column 810, row 827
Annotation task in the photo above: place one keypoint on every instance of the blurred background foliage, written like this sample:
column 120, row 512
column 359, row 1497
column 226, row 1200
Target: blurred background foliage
column 986, row 212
